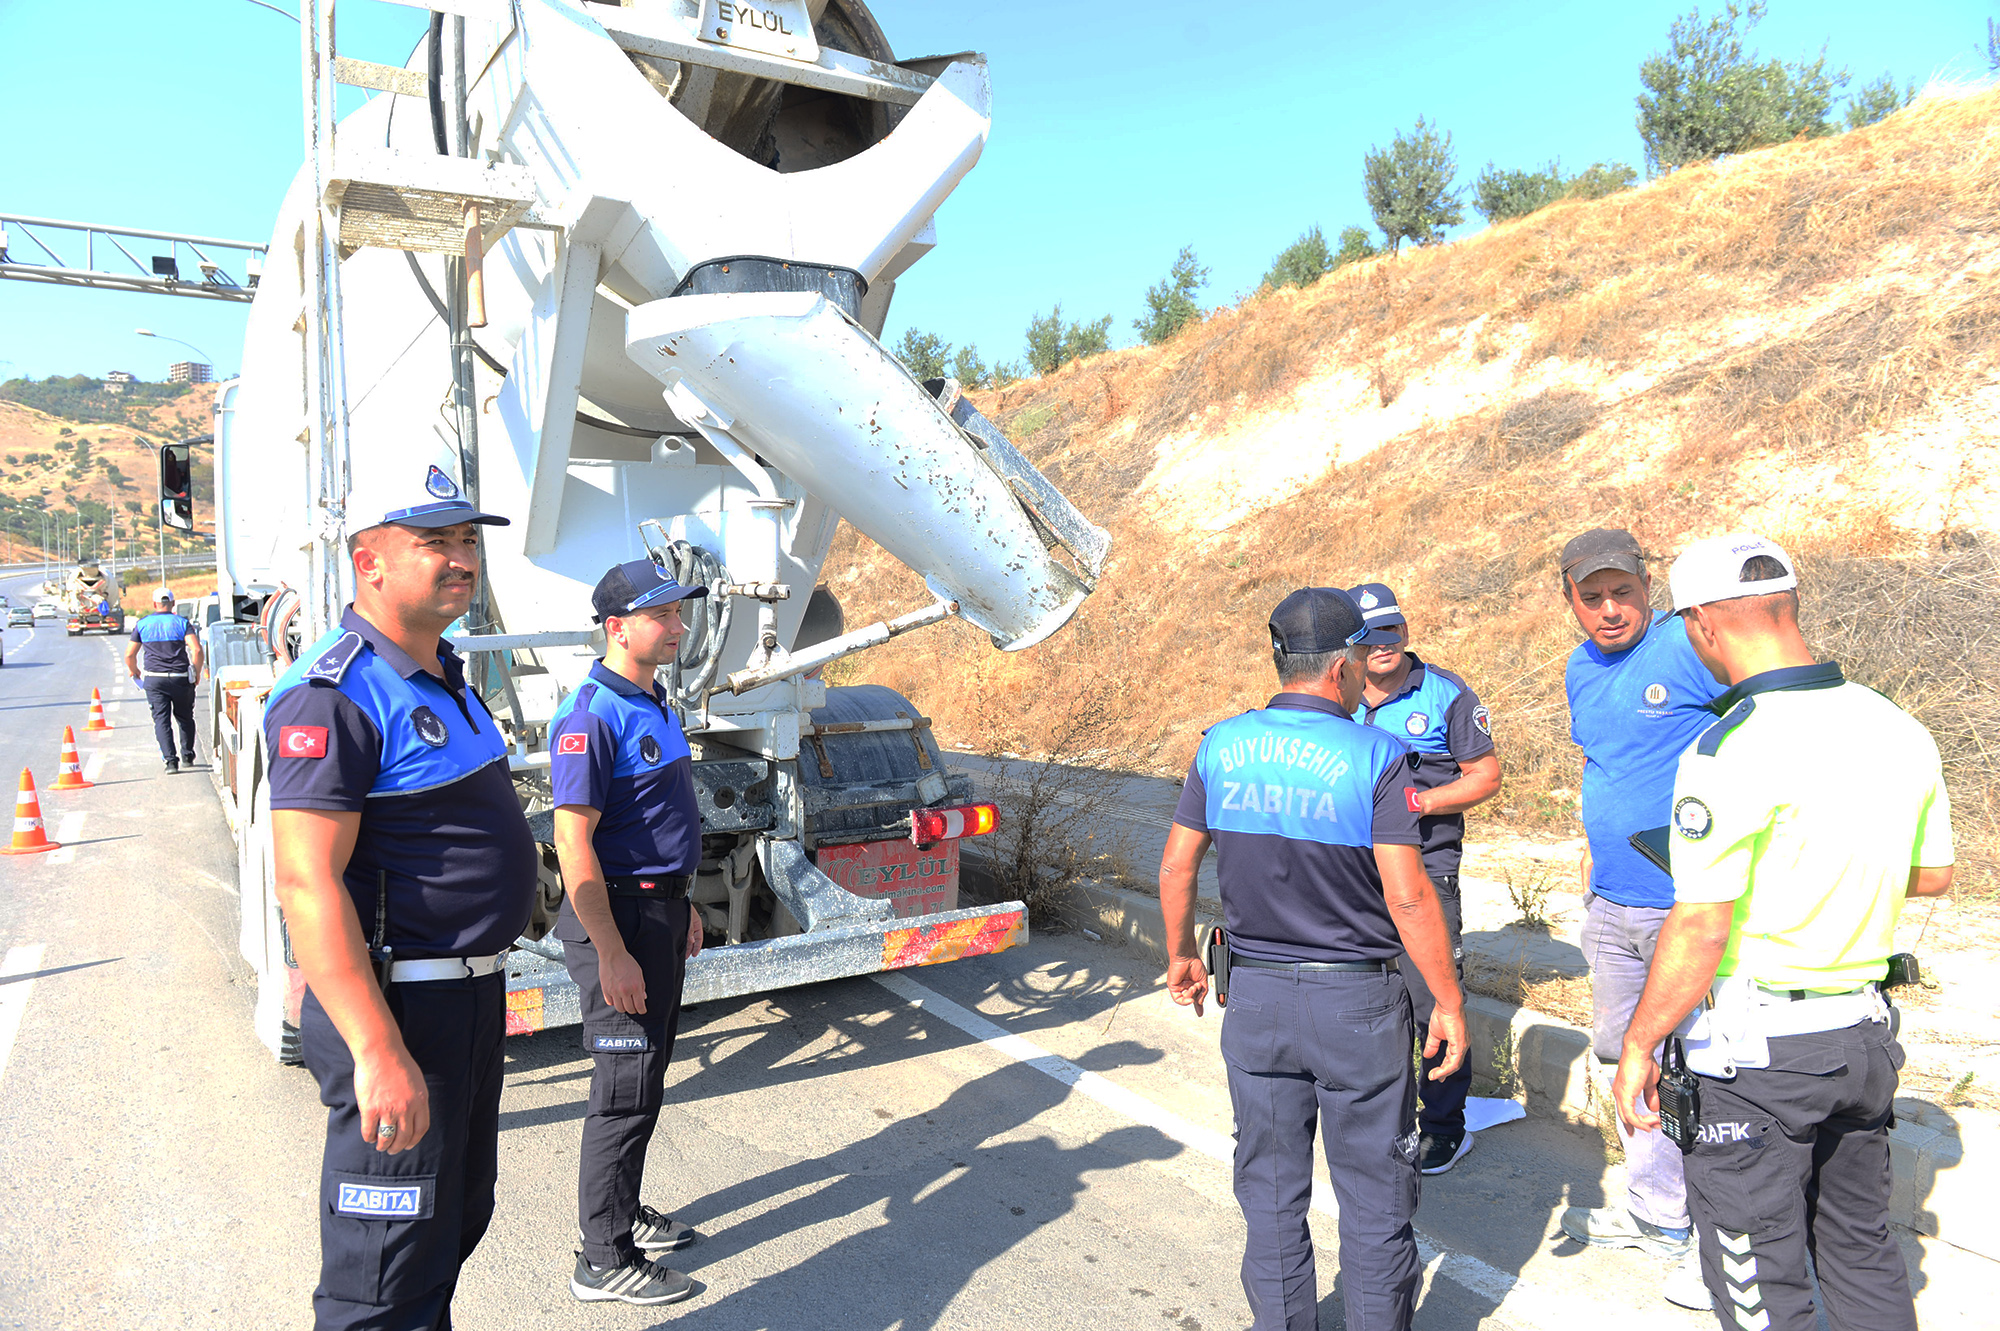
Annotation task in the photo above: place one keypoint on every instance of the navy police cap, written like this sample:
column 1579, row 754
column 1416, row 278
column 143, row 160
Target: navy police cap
column 416, row 492
column 1321, row 619
column 634, row 585
column 1378, row 605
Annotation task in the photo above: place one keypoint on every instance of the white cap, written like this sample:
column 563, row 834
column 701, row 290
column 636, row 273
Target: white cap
column 163, row 593
column 419, row 489
column 1712, row 570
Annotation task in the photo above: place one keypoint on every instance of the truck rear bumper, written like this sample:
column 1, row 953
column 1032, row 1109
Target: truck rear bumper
column 540, row 994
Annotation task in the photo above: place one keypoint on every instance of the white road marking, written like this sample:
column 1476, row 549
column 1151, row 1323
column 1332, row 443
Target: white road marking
column 1526, row 1304
column 14, row 997
column 68, row 830
column 94, row 768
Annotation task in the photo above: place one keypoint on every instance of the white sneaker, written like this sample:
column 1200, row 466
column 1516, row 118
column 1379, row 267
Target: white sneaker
column 1617, row 1227
column 1684, row 1287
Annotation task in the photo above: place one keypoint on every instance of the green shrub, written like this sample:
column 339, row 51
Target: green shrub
column 1409, row 186
column 1706, row 95
column 1170, row 303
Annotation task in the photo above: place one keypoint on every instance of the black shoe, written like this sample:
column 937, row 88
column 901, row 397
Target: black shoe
column 172, row 766
column 653, row 1232
column 189, row 760
column 1439, row 1153
column 638, row 1281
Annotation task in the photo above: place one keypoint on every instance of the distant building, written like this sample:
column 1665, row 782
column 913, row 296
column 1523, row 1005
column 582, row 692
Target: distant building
column 115, row 381
column 189, row 372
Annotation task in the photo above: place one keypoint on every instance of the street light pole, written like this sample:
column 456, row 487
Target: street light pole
column 206, row 359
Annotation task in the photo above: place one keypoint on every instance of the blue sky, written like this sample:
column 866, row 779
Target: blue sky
column 1121, row 132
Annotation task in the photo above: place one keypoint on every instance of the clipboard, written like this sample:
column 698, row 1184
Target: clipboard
column 1653, row 844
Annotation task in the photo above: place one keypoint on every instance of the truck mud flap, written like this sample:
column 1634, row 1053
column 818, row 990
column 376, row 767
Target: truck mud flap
column 540, row 995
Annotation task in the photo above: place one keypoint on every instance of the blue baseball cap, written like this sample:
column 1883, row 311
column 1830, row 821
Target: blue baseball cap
column 422, row 492
column 1378, row 605
column 1321, row 619
column 634, row 585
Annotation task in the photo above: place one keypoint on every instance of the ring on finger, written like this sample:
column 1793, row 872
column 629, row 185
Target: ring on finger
column 386, row 1130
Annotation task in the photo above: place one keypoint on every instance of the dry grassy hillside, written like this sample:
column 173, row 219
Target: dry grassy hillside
column 1800, row 340
column 60, row 462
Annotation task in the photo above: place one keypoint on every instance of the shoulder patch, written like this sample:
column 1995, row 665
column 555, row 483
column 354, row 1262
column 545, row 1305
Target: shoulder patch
column 576, row 741
column 334, row 661
column 1692, row 818
column 1482, row 720
column 1711, row 738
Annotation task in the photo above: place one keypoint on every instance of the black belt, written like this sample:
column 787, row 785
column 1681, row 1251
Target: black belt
column 1393, row 964
column 671, row 886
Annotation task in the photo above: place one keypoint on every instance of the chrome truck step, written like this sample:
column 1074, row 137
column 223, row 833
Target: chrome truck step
column 540, row 995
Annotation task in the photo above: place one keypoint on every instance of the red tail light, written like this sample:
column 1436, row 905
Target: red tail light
column 930, row 826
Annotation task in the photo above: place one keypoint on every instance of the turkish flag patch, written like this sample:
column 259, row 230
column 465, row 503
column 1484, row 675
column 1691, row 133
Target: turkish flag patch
column 574, row 742
column 302, row 741
column 1410, row 796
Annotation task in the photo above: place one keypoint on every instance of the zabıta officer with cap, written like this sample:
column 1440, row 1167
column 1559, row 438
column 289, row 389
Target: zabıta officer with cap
column 1450, row 734
column 1801, row 822
column 164, row 659
column 628, row 837
column 404, row 869
column 1323, row 890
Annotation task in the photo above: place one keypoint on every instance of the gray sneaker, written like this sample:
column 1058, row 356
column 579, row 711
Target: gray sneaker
column 1617, row 1227
column 653, row 1232
column 638, row 1281
column 1684, row 1286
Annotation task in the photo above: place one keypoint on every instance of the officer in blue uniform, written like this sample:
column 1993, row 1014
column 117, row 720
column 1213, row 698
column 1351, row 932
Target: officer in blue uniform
column 404, row 868
column 1323, row 889
column 628, row 836
column 1450, row 735
column 171, row 665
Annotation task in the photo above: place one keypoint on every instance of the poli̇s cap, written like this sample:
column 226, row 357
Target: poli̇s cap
column 422, row 491
column 634, row 585
column 1712, row 570
column 1321, row 619
column 1378, row 605
column 1601, row 548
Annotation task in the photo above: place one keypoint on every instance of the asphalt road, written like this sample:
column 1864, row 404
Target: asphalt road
column 1036, row 1139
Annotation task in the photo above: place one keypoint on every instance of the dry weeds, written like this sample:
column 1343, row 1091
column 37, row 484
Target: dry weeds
column 1791, row 307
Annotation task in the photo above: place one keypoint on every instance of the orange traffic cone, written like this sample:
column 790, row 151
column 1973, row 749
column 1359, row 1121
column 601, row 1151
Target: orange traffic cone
column 97, row 721
column 69, row 772
column 29, row 839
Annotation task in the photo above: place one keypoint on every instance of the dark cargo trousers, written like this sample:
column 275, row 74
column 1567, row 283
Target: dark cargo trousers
column 172, row 704
column 629, row 1055
column 1301, row 1047
column 395, row 1229
column 1794, row 1158
column 1443, row 1102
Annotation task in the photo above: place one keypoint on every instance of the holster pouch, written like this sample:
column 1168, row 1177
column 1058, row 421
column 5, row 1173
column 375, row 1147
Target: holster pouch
column 1680, row 1098
column 381, row 957
column 1215, row 960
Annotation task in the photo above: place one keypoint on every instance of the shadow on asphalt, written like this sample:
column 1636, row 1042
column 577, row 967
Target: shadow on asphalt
column 57, row 970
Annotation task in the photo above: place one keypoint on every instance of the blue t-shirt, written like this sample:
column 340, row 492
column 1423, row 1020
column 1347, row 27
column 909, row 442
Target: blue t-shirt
column 356, row 725
column 1439, row 716
column 1296, row 797
column 162, row 637
column 1634, row 713
column 620, row 751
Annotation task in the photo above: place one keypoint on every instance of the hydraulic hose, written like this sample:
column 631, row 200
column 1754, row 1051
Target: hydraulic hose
column 701, row 650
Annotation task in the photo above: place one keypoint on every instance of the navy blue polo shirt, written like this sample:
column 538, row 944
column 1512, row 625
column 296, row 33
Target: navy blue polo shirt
column 619, row 749
column 162, row 638
column 1634, row 713
column 1296, row 797
column 357, row 726
column 1439, row 716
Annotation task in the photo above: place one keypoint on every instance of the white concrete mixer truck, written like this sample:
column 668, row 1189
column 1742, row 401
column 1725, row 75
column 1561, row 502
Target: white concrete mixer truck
column 630, row 263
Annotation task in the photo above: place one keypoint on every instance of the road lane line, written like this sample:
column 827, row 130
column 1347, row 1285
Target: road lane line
column 68, row 830
column 1526, row 1304
column 94, row 768
column 14, row 997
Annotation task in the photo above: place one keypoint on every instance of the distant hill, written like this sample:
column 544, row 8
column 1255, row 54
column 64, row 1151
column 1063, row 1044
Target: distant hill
column 82, row 462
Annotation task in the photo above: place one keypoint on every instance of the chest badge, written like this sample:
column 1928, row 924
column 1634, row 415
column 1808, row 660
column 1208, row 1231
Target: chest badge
column 1656, row 694
column 649, row 748
column 429, row 729
column 1417, row 723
